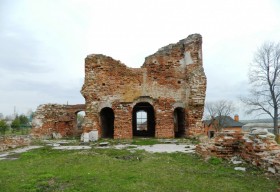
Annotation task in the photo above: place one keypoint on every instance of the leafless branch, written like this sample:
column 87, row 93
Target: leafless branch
column 220, row 109
column 264, row 76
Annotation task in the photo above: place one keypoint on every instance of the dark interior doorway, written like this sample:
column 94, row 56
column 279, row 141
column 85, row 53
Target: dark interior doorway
column 143, row 121
column 211, row 134
column 107, row 118
column 179, row 122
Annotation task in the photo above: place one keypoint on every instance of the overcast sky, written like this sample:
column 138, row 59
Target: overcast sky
column 43, row 43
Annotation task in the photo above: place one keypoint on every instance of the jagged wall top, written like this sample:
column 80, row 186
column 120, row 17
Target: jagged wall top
column 183, row 45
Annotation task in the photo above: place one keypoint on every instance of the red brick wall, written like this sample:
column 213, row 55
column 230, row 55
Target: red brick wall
column 54, row 118
column 210, row 128
column 172, row 75
column 123, row 121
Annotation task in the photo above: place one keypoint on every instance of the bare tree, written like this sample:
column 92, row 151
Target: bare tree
column 218, row 111
column 264, row 76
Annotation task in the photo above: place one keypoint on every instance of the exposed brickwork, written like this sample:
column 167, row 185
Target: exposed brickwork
column 123, row 115
column 53, row 118
column 262, row 150
column 225, row 144
column 10, row 142
column 172, row 77
column 257, row 148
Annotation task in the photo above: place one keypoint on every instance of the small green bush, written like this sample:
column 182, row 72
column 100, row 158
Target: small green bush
column 3, row 127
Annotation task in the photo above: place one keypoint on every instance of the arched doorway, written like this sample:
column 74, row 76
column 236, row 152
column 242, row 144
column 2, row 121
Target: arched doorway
column 80, row 116
column 107, row 118
column 143, row 121
column 179, row 122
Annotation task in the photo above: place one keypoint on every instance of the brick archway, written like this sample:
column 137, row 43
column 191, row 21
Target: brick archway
column 107, row 119
column 179, row 122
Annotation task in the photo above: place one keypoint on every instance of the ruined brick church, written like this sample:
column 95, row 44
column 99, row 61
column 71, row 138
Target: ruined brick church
column 163, row 99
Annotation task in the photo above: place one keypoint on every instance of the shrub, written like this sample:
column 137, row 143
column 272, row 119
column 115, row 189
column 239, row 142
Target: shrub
column 3, row 127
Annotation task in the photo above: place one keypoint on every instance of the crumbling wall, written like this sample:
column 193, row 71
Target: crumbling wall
column 53, row 120
column 171, row 77
column 225, row 145
column 258, row 147
column 13, row 141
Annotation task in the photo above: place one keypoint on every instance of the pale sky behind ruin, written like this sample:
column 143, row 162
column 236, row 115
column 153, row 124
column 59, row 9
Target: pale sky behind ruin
column 43, row 43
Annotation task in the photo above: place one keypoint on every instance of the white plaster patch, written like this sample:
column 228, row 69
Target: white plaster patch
column 240, row 168
column 24, row 149
column 61, row 142
column 71, row 147
column 85, row 137
column 272, row 170
column 168, row 148
column 37, row 123
column 200, row 54
column 157, row 148
column 6, row 158
column 123, row 146
column 93, row 136
column 187, row 59
column 4, row 155
column 53, row 144
column 237, row 162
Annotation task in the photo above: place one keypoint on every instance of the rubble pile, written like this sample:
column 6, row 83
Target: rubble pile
column 10, row 142
column 224, row 145
column 257, row 147
column 261, row 149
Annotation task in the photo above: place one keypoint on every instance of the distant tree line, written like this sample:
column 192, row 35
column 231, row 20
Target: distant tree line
column 20, row 123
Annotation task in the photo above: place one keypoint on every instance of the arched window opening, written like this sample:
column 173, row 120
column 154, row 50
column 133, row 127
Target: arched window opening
column 143, row 120
column 179, row 122
column 107, row 118
column 80, row 119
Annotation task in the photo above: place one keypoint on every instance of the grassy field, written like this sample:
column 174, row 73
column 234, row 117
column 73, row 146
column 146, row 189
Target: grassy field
column 22, row 131
column 46, row 169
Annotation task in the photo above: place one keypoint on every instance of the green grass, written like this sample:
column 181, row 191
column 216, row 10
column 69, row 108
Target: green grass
column 21, row 131
column 145, row 141
column 109, row 170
